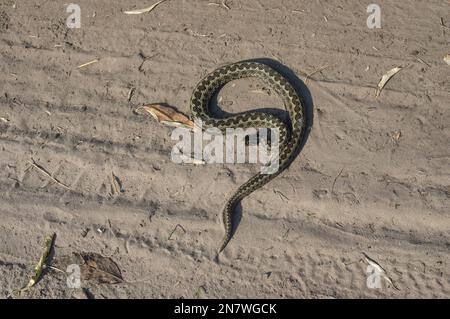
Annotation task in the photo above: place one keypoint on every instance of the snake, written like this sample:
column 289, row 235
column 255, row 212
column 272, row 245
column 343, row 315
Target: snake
column 290, row 135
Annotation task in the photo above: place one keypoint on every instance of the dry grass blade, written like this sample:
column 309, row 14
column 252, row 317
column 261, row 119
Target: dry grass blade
column 173, row 231
column 40, row 266
column 374, row 264
column 87, row 63
column 315, row 72
column 385, row 79
column 145, row 10
column 225, row 5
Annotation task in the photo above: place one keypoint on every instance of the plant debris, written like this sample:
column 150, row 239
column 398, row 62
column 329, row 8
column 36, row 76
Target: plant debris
column 87, row 63
column 116, row 184
column 173, row 231
column 314, row 72
column 40, row 266
column 379, row 270
column 385, row 79
column 93, row 267
column 447, row 59
column 396, row 136
column 167, row 115
column 145, row 10
column 45, row 172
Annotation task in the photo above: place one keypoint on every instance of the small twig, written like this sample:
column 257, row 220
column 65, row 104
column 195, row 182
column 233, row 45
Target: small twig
column 178, row 225
column 44, row 171
column 316, row 71
column 422, row 61
column 285, row 235
column 282, row 196
column 335, row 179
column 130, row 94
column 111, row 228
column 443, row 27
column 55, row 268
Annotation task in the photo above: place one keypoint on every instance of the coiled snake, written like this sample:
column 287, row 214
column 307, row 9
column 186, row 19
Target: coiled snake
column 290, row 137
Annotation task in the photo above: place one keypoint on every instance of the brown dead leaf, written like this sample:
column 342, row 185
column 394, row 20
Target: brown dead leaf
column 93, row 267
column 166, row 115
column 100, row 269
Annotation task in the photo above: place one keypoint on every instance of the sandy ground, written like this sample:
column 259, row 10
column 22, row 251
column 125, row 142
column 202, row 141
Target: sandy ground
column 373, row 177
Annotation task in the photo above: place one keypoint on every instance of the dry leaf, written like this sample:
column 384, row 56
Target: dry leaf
column 40, row 265
column 100, row 269
column 386, row 77
column 93, row 267
column 167, row 115
column 447, row 59
column 145, row 9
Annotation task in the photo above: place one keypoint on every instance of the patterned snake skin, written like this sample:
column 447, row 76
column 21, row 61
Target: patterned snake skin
column 289, row 137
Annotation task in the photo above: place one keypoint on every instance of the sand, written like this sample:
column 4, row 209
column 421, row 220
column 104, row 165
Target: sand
column 372, row 179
